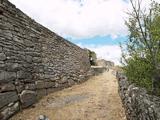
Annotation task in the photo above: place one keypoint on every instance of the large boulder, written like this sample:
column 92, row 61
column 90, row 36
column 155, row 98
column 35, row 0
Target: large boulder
column 27, row 98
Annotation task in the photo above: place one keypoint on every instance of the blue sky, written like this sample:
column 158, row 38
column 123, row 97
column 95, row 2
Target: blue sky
column 99, row 40
column 94, row 24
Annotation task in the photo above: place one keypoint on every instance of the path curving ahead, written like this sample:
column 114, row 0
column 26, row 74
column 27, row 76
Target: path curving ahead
column 95, row 99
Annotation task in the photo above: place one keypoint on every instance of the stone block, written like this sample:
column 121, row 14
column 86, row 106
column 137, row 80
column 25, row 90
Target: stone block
column 30, row 87
column 2, row 66
column 49, row 84
column 37, row 59
column 24, row 75
column 40, row 84
column 7, row 97
column 2, row 57
column 71, row 82
column 21, row 74
column 48, row 76
column 13, row 66
column 63, row 80
column 7, row 87
column 29, row 59
column 27, row 98
column 7, row 76
column 9, row 111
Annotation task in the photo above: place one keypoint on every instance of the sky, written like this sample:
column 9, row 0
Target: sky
column 94, row 24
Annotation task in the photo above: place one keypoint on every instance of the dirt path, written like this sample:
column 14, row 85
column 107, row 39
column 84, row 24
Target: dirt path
column 96, row 99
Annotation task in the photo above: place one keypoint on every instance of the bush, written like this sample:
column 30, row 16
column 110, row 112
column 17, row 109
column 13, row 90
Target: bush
column 139, row 71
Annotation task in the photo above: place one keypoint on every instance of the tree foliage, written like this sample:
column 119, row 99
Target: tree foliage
column 142, row 53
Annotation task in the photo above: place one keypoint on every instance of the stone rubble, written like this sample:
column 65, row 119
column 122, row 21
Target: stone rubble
column 43, row 117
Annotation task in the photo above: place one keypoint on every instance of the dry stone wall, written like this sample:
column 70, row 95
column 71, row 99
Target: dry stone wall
column 34, row 61
column 137, row 103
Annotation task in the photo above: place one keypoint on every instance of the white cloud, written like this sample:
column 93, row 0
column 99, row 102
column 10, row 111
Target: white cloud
column 83, row 19
column 107, row 52
column 78, row 18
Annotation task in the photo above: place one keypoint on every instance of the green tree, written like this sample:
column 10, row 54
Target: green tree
column 143, row 46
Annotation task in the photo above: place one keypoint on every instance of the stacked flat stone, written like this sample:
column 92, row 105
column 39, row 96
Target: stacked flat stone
column 137, row 103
